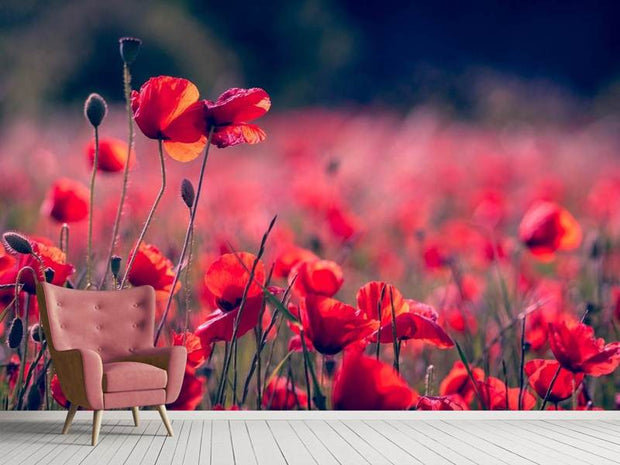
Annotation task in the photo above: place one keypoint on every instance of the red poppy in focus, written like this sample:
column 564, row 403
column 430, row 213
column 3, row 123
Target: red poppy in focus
column 459, row 382
column 577, row 350
column 112, row 155
column 152, row 268
column 451, row 402
column 168, row 108
column 332, row 325
column 230, row 113
column 52, row 257
column 195, row 352
column 321, row 277
column 414, row 320
column 282, row 394
column 546, row 227
column 192, row 391
column 225, row 282
column 364, row 383
column 66, row 201
column 57, row 393
column 497, row 396
column 540, row 374
column 289, row 257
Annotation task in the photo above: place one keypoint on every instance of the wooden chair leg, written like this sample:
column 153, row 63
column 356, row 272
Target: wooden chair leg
column 70, row 414
column 164, row 417
column 134, row 412
column 97, row 414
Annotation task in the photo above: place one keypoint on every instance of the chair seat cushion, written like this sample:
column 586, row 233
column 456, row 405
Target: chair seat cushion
column 132, row 376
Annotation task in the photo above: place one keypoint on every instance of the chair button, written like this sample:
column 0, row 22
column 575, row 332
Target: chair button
column 131, row 349
column 99, row 349
column 98, row 327
column 59, row 304
column 62, row 326
column 134, row 326
column 136, row 305
column 97, row 307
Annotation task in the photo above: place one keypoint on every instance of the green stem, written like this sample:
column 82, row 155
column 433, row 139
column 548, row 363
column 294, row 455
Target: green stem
column 121, row 203
column 93, row 176
column 394, row 333
column 188, row 233
column 149, row 218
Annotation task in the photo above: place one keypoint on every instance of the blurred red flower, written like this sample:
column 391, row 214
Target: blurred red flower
column 168, row 108
column 225, row 282
column 230, row 113
column 451, row 402
column 332, row 325
column 289, row 257
column 66, row 201
column 364, row 383
column 459, row 382
column 152, row 268
column 282, row 394
column 195, row 352
column 497, row 396
column 321, row 277
column 577, row 350
column 546, row 227
column 57, row 393
column 192, row 391
column 112, row 155
column 540, row 374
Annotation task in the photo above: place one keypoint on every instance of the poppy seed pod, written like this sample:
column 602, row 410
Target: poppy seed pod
column 115, row 265
column 16, row 333
column 17, row 243
column 95, row 109
column 36, row 333
column 187, row 193
column 129, row 48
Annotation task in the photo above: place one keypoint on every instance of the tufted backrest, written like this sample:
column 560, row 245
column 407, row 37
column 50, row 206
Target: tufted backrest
column 112, row 323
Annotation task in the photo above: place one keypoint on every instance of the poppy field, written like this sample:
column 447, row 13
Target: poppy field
column 320, row 258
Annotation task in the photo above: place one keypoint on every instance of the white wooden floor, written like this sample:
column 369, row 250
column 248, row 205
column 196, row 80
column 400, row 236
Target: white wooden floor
column 312, row 441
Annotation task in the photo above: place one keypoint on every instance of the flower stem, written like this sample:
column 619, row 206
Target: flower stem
column 121, row 203
column 379, row 317
column 93, row 176
column 188, row 234
column 394, row 333
column 522, row 364
column 149, row 218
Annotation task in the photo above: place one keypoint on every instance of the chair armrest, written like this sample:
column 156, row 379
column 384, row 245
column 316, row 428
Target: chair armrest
column 172, row 359
column 80, row 372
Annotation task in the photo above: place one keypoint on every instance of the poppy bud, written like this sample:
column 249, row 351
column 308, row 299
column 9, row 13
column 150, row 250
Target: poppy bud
column 187, row 193
column 33, row 402
column 49, row 275
column 129, row 48
column 17, row 243
column 16, row 333
column 95, row 109
column 115, row 265
column 36, row 333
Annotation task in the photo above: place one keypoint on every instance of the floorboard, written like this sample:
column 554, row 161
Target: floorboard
column 345, row 441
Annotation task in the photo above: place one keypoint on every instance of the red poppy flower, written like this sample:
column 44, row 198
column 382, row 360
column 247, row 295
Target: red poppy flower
column 152, row 268
column 577, row 350
column 112, row 155
column 66, row 201
column 192, row 391
column 414, row 320
column 230, row 113
column 332, row 325
column 459, row 382
column 289, row 257
column 295, row 345
column 540, row 374
column 451, row 402
column 225, row 282
column 57, row 393
column 364, row 383
column 195, row 352
column 546, row 227
column 282, row 394
column 168, row 108
column 497, row 396
column 322, row 277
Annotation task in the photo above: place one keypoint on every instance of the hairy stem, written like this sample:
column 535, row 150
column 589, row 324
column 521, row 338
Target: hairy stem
column 91, row 210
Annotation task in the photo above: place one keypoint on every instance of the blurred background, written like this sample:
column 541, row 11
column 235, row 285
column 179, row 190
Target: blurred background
column 482, row 59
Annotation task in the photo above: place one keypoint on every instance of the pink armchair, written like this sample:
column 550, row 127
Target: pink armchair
column 101, row 344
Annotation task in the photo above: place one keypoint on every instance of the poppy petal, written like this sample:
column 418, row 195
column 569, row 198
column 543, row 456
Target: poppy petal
column 185, row 151
column 239, row 106
column 235, row 134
